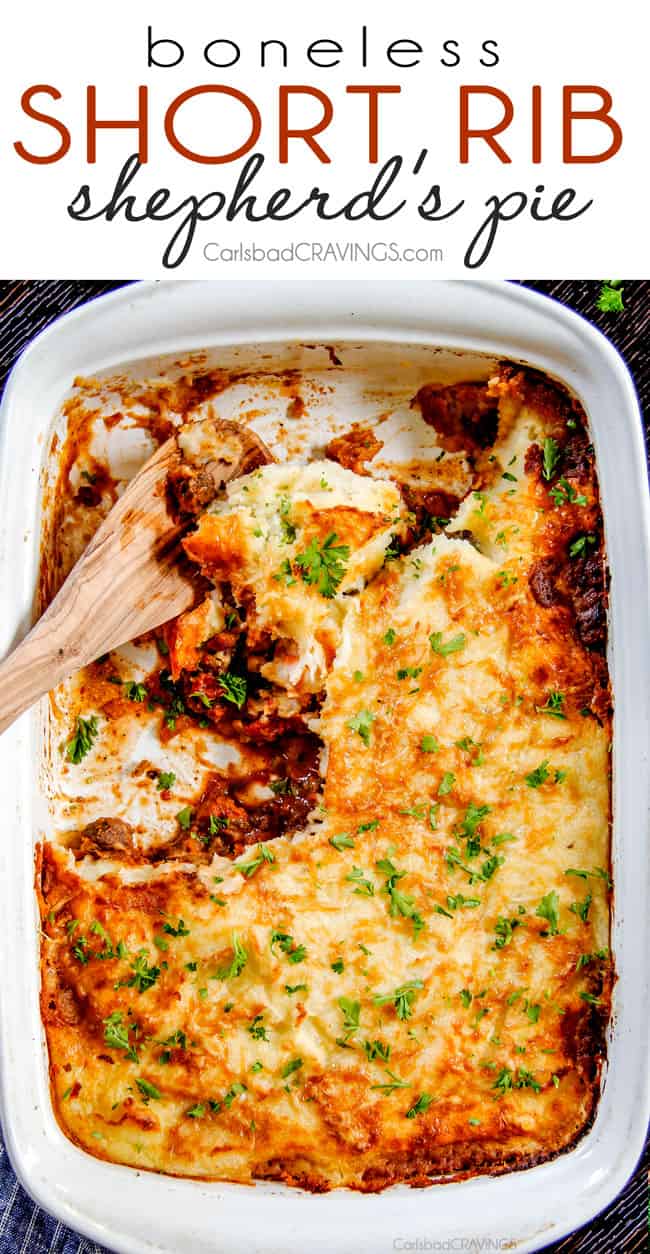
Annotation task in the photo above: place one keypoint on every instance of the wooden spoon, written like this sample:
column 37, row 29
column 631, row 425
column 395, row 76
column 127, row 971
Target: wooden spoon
column 132, row 577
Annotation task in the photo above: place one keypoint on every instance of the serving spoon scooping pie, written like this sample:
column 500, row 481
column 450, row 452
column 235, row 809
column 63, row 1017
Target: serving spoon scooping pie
column 130, row 579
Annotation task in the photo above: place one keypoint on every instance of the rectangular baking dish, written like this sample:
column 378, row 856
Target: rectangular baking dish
column 464, row 325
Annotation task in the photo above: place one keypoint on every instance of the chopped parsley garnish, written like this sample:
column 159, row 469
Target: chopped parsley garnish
column 451, row 646
column 581, row 908
column 324, row 566
column 196, row 1112
column 554, row 704
column 548, row 909
column 368, row 827
column 294, row 953
column 177, row 1040
column 467, row 744
column 184, row 817
column 338, row 966
column 79, row 949
column 291, row 1067
column 361, row 723
column 390, row 637
column 284, row 574
column 144, row 975
column 526, row 1080
column 409, row 672
column 282, row 787
column 233, row 688
column 351, row 1011
column 395, row 1083
column 400, row 903
column 263, row 854
column 295, row 988
column 579, row 547
column 376, row 1049
column 238, row 962
column 166, row 780
column 446, row 783
column 136, row 692
column 176, row 705
column 610, row 299
column 458, row 902
column 465, row 997
column 504, row 929
column 551, row 457
column 419, row 1107
column 257, row 1029
column 363, row 887
column 429, row 744
column 289, row 531
column 475, row 876
column 392, row 550
column 148, row 1090
column 468, row 828
column 116, row 1035
column 204, row 699
column 539, row 776
column 599, row 955
column 108, row 951
column 82, row 740
column 503, row 1081
column 597, row 873
column 234, row 1091
column 342, row 841
column 564, row 494
column 402, row 999
column 180, row 929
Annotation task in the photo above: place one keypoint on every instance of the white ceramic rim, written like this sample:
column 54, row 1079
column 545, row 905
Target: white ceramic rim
column 137, row 1213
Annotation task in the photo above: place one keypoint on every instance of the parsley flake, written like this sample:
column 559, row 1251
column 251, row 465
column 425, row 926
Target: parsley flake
column 81, row 742
column 451, row 646
column 402, row 999
column 551, row 457
column 262, row 855
column 237, row 963
column 419, row 1107
column 341, row 841
column 324, row 566
column 362, row 723
column 234, row 688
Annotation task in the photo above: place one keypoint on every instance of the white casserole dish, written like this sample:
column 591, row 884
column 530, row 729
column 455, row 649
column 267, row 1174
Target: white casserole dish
column 135, row 1212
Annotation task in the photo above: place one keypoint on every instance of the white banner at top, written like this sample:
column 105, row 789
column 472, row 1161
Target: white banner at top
column 281, row 140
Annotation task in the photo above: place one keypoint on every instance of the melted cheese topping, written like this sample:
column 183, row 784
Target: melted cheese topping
column 412, row 986
column 258, row 536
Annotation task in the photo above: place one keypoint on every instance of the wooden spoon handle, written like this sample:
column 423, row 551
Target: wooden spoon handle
column 138, row 546
column 132, row 577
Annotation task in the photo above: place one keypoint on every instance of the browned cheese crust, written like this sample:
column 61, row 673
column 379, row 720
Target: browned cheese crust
column 370, row 945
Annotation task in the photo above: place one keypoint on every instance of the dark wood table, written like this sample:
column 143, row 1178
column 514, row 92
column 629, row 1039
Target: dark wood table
column 27, row 307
